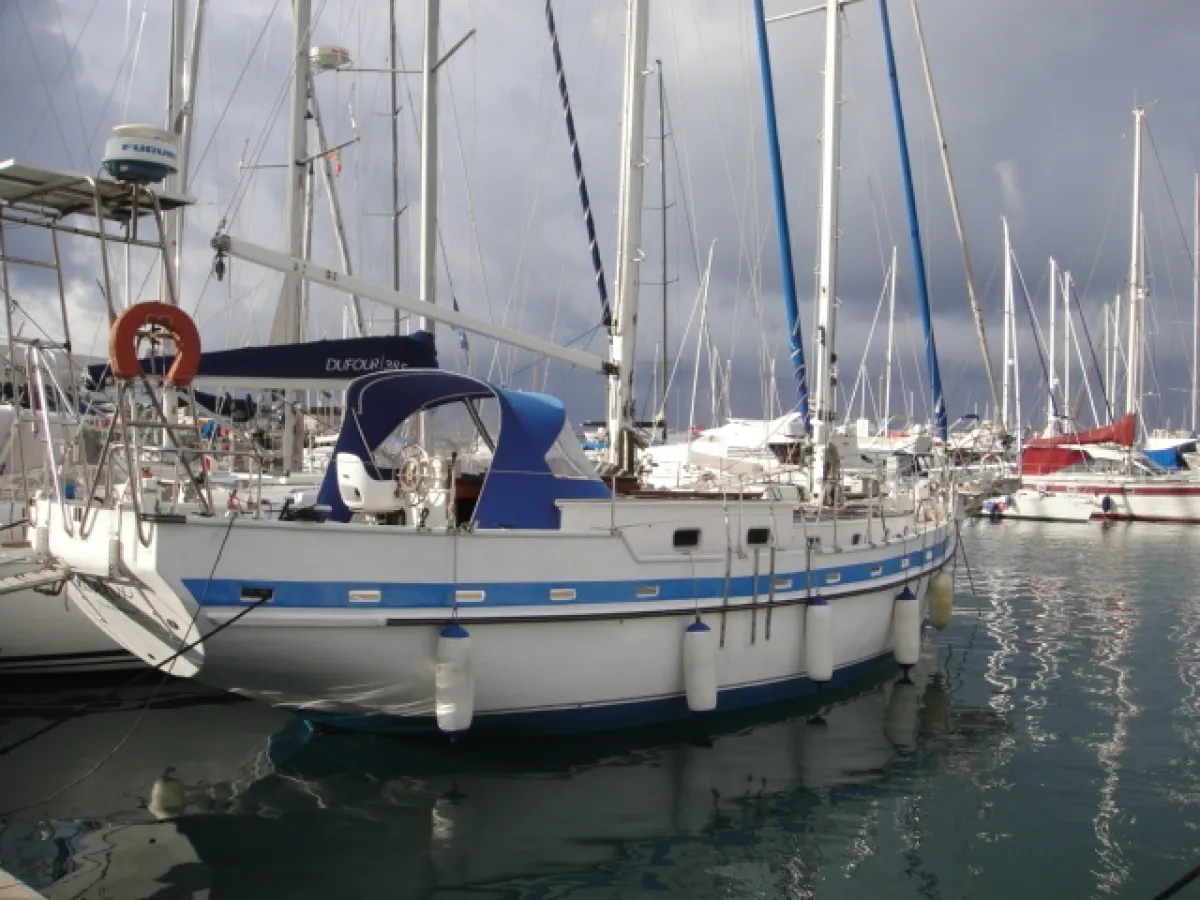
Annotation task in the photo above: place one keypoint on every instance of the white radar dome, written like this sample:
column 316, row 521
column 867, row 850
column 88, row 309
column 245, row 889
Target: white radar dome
column 141, row 153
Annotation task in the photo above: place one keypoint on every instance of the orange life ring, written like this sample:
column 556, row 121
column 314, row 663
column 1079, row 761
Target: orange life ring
column 122, row 341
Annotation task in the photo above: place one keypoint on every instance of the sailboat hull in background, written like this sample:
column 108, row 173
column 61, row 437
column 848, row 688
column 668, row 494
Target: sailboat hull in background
column 43, row 634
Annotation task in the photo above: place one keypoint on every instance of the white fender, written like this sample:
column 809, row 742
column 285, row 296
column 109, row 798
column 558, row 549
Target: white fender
column 818, row 640
column 940, row 595
column 700, row 667
column 906, row 628
column 454, row 681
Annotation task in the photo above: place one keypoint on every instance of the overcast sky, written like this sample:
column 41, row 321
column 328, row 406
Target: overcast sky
column 1036, row 98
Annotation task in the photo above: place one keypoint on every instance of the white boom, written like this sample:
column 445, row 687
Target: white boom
column 348, row 284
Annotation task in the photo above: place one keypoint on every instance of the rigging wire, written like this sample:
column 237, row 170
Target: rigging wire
column 62, row 30
column 862, row 365
column 1187, row 247
column 137, row 53
column 45, row 85
column 472, row 211
column 577, row 163
column 62, row 73
column 1104, row 389
column 516, row 293
column 1103, row 235
column 1037, row 336
column 1188, row 250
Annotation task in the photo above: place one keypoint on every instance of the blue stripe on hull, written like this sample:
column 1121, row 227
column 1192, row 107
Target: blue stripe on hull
column 620, row 716
column 434, row 595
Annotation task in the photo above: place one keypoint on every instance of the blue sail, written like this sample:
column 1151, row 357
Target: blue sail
column 783, row 230
column 310, row 364
column 914, row 230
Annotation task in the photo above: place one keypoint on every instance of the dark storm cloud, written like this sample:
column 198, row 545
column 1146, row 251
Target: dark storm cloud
column 1036, row 99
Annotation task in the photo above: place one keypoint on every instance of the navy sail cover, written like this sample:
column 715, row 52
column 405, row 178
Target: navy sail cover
column 312, row 364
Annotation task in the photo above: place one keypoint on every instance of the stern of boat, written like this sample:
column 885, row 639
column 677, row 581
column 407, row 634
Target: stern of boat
column 114, row 578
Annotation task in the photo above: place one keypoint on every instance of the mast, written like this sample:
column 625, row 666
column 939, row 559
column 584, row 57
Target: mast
column 1053, row 377
column 169, row 275
column 662, row 171
column 429, row 144
column 887, row 378
column 1195, row 295
column 972, row 294
column 291, row 298
column 783, row 230
column 1133, row 384
column 181, row 102
column 1066, row 373
column 700, row 334
column 1016, row 371
column 1116, row 350
column 931, row 359
column 1004, row 405
column 629, row 236
column 825, row 395
column 309, row 203
column 1107, row 388
column 393, row 64
column 335, row 213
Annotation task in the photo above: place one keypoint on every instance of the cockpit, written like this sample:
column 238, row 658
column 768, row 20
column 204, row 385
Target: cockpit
column 433, row 449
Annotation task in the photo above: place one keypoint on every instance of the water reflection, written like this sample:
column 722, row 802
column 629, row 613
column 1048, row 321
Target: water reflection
column 1049, row 746
column 1185, row 637
column 760, row 808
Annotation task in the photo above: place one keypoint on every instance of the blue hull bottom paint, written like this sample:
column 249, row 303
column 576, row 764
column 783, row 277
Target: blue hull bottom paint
column 621, row 716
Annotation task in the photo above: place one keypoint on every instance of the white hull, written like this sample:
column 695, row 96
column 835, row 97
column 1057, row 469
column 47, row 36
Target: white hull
column 1120, row 499
column 1175, row 500
column 353, row 630
column 41, row 634
column 1046, row 506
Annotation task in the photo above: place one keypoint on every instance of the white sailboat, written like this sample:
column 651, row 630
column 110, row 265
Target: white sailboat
column 1099, row 473
column 41, row 632
column 529, row 599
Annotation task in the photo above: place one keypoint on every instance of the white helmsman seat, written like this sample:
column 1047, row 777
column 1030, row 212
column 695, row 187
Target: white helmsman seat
column 363, row 494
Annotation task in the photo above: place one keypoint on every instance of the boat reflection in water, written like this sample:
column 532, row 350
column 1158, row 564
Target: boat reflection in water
column 761, row 805
column 162, row 748
column 402, row 819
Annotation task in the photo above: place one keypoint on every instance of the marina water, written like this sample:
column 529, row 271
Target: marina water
column 1049, row 745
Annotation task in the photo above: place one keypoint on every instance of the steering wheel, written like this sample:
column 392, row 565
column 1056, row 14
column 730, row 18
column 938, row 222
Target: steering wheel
column 412, row 474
